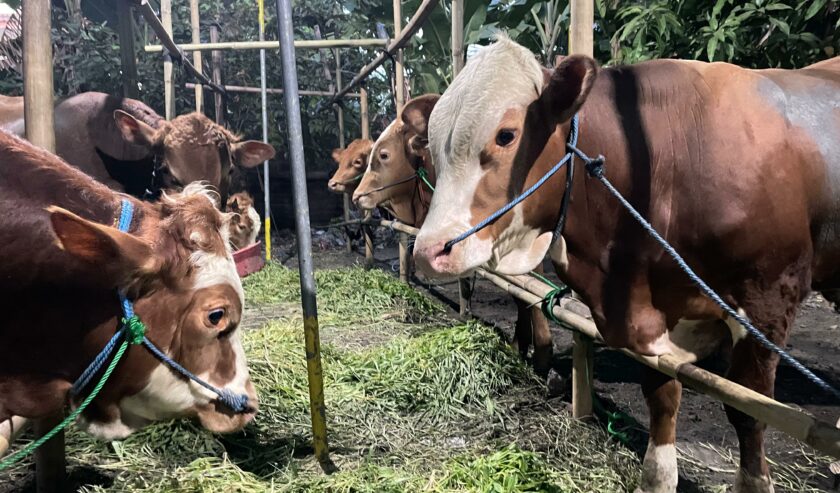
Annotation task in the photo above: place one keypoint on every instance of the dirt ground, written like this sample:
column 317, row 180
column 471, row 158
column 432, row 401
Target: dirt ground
column 706, row 442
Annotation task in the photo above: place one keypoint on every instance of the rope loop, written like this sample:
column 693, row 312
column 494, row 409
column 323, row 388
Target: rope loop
column 135, row 329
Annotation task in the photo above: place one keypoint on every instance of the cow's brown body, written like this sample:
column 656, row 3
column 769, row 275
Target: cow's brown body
column 120, row 142
column 738, row 169
column 58, row 293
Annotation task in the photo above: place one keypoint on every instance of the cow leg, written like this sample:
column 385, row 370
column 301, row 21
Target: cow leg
column 659, row 469
column 522, row 334
column 543, row 345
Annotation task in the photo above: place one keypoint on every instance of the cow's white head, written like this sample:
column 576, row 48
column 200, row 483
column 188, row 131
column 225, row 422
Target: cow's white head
column 485, row 134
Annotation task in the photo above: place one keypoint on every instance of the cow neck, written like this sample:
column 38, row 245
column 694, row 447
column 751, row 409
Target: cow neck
column 412, row 210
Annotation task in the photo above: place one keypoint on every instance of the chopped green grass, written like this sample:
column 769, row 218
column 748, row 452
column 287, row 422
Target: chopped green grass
column 434, row 406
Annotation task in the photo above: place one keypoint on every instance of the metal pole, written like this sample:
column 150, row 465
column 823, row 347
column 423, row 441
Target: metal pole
column 128, row 62
column 399, row 96
column 580, row 42
column 304, row 239
column 195, row 24
column 50, row 467
column 168, row 83
column 264, row 99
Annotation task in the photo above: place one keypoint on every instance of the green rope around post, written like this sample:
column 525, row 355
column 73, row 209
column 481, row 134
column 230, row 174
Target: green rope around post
column 134, row 332
column 551, row 298
column 424, row 177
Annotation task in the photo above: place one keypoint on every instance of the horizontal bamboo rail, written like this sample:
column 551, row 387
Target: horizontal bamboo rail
column 175, row 53
column 256, row 90
column 273, row 45
column 416, row 22
column 820, row 435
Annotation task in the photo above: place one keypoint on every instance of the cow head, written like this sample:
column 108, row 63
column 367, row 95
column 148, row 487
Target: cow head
column 395, row 156
column 191, row 148
column 176, row 265
column 352, row 162
column 485, row 135
column 244, row 220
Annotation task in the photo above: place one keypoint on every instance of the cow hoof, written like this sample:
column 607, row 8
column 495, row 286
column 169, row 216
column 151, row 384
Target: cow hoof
column 554, row 383
column 659, row 469
column 747, row 483
column 542, row 360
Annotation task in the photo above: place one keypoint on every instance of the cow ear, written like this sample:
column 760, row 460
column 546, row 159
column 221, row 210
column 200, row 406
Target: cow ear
column 416, row 113
column 336, row 154
column 133, row 130
column 418, row 144
column 568, row 87
column 251, row 153
column 233, row 204
column 123, row 254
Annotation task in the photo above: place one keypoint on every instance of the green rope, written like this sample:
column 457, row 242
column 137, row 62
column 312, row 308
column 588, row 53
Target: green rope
column 424, row 177
column 551, row 298
column 135, row 332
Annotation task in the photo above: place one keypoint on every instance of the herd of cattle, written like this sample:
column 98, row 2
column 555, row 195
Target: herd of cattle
column 739, row 169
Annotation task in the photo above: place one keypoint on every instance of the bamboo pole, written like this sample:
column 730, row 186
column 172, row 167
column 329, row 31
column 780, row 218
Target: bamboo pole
column 168, row 82
column 580, row 42
column 50, row 467
column 423, row 12
column 216, row 58
column 270, row 90
column 195, row 25
column 273, row 45
column 128, row 61
column 366, row 230
column 345, row 202
column 457, row 36
column 399, row 98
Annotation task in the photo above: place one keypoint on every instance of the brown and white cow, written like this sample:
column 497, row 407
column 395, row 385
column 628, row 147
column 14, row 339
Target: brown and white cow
column 63, row 263
column 124, row 144
column 352, row 162
column 244, row 222
column 738, row 169
column 399, row 153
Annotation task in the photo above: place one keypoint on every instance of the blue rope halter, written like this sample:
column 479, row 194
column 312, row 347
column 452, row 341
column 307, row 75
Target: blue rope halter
column 132, row 327
column 595, row 169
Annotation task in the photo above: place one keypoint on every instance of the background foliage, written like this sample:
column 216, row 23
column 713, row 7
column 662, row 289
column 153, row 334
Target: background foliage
column 753, row 33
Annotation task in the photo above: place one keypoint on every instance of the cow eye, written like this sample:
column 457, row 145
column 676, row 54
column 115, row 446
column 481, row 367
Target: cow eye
column 357, row 162
column 383, row 155
column 505, row 137
column 215, row 316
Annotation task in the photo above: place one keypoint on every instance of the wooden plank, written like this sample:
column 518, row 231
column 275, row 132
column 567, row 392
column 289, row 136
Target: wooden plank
column 168, row 82
column 128, row 60
column 195, row 27
column 273, row 45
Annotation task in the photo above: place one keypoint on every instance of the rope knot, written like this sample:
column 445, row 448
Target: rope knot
column 235, row 402
column 595, row 167
column 136, row 330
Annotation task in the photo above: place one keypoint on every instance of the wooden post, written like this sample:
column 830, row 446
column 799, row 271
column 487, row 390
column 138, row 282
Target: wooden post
column 168, row 82
column 50, row 468
column 216, row 58
column 195, row 24
column 366, row 230
column 399, row 96
column 580, row 42
column 342, row 143
column 457, row 36
column 128, row 61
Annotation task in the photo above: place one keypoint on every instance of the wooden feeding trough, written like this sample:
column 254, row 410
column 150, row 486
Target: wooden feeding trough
column 249, row 259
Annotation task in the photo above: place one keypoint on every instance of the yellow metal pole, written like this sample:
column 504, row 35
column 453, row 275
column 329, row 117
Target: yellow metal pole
column 263, row 92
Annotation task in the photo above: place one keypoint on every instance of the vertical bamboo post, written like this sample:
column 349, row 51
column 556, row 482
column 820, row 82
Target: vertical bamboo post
column 264, row 100
column 457, row 12
column 366, row 230
column 399, row 90
column 168, row 82
column 50, row 468
column 128, row 61
column 195, row 24
column 216, row 58
column 580, row 42
column 342, row 143
column 457, row 36
column 317, row 408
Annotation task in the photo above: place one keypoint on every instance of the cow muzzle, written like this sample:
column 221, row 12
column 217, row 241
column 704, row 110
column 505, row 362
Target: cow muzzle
column 434, row 260
column 218, row 418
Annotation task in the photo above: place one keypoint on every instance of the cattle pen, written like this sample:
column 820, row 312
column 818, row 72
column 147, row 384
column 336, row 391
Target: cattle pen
column 50, row 459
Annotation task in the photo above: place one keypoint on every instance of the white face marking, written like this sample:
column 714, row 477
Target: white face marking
column 212, row 269
column 254, row 216
column 499, row 77
column 659, row 470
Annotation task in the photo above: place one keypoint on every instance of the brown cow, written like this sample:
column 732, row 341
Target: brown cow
column 124, row 144
column 352, row 162
column 398, row 154
column 738, row 169
column 63, row 264
column 245, row 222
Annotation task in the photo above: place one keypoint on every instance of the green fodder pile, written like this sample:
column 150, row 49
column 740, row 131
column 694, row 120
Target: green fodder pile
column 427, row 405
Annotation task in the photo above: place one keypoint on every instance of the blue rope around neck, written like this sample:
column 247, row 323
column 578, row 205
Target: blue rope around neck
column 235, row 402
column 573, row 138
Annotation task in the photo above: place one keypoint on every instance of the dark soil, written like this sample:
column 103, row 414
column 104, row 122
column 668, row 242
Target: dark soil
column 707, row 444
